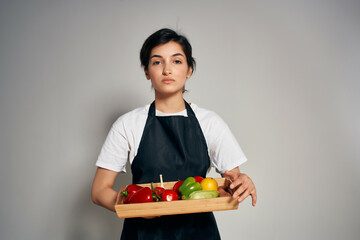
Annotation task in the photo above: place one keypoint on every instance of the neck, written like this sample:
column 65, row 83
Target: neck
column 169, row 104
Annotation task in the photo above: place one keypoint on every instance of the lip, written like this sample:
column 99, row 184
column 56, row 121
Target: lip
column 167, row 80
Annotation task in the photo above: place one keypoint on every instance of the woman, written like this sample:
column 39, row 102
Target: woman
column 172, row 138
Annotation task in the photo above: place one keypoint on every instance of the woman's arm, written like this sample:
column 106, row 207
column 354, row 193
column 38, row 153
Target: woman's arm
column 243, row 183
column 102, row 192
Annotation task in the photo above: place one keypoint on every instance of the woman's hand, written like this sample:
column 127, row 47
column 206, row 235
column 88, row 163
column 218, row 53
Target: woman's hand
column 243, row 184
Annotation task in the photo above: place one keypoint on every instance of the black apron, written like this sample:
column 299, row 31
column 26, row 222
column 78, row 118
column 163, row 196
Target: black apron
column 175, row 147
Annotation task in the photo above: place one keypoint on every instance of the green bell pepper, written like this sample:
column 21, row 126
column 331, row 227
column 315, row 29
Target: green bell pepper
column 192, row 187
column 187, row 181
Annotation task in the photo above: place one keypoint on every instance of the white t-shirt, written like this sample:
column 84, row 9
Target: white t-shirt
column 123, row 140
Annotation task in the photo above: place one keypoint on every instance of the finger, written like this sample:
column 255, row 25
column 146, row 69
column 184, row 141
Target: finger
column 254, row 198
column 245, row 187
column 240, row 190
column 236, row 184
column 246, row 193
column 244, row 190
column 241, row 180
column 243, row 196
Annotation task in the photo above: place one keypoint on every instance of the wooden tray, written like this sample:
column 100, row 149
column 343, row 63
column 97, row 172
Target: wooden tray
column 175, row 207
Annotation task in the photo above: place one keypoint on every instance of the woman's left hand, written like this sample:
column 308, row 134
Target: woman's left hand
column 243, row 184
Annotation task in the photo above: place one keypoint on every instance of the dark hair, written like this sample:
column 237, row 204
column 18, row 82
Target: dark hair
column 163, row 36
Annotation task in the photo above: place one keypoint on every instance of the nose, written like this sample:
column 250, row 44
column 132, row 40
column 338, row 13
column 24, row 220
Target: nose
column 166, row 69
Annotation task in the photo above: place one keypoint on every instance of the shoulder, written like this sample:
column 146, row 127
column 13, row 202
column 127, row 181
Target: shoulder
column 206, row 116
column 131, row 118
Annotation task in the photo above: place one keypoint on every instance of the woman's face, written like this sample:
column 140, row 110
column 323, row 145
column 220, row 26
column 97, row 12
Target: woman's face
column 168, row 69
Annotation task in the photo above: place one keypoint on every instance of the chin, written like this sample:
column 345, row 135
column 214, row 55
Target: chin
column 168, row 91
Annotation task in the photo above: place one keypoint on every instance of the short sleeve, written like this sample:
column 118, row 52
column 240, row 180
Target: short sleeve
column 114, row 153
column 224, row 150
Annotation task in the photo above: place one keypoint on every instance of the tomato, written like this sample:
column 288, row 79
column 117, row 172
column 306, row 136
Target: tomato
column 176, row 187
column 169, row 195
column 209, row 184
column 198, row 179
column 141, row 196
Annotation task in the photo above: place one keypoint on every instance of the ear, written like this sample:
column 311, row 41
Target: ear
column 147, row 74
column 188, row 75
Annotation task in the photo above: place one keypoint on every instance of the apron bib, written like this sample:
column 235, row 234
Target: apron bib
column 175, row 147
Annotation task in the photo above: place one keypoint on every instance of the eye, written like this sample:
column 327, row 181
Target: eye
column 177, row 61
column 156, row 63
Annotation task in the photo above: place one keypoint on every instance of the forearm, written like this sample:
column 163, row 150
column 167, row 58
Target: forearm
column 106, row 198
column 102, row 192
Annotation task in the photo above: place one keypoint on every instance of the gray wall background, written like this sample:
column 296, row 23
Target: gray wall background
column 284, row 75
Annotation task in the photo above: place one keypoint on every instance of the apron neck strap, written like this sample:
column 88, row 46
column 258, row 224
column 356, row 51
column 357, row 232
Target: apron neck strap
column 189, row 110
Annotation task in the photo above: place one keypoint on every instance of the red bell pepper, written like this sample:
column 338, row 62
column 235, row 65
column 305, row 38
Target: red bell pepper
column 176, row 187
column 129, row 191
column 198, row 179
column 142, row 196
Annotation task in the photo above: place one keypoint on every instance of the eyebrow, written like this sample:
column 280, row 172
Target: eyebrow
column 174, row 55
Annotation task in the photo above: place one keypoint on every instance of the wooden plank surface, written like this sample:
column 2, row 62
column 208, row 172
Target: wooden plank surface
column 175, row 207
